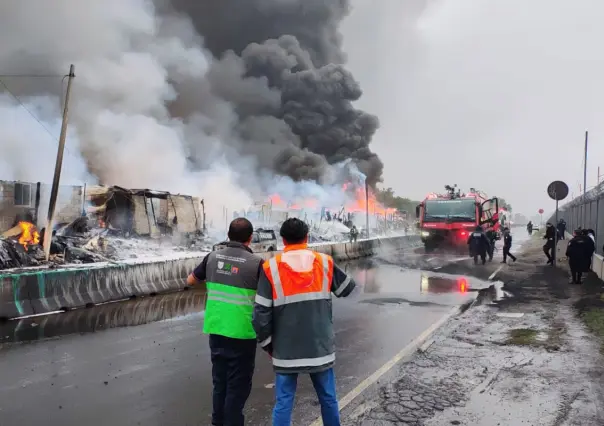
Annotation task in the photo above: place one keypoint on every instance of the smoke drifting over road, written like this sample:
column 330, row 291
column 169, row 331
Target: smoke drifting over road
column 171, row 91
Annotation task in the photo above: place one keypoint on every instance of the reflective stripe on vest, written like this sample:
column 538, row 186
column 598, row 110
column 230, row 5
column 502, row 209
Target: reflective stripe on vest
column 304, row 362
column 283, row 297
column 229, row 311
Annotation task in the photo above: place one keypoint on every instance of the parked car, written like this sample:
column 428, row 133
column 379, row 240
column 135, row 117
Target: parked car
column 263, row 240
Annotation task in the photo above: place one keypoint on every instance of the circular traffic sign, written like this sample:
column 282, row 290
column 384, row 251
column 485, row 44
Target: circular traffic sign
column 541, row 211
column 557, row 190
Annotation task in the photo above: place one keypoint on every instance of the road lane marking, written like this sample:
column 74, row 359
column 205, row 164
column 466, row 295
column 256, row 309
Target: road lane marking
column 431, row 259
column 365, row 384
column 495, row 273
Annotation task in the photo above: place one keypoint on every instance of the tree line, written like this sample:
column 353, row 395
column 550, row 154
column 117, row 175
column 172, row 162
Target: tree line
column 390, row 200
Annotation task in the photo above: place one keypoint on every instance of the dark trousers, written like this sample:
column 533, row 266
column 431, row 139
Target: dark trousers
column 506, row 253
column 233, row 362
column 548, row 249
column 483, row 258
column 576, row 276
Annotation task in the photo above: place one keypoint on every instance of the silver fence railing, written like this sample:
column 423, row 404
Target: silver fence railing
column 587, row 212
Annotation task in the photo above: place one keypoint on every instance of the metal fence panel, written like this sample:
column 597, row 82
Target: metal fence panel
column 586, row 211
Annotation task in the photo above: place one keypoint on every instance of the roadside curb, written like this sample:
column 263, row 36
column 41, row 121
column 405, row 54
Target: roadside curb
column 406, row 352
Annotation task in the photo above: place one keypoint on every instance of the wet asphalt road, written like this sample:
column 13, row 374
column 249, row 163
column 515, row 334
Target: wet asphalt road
column 146, row 362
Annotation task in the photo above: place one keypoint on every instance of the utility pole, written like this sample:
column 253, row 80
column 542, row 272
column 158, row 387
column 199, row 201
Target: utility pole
column 367, row 208
column 585, row 179
column 59, row 164
column 585, row 164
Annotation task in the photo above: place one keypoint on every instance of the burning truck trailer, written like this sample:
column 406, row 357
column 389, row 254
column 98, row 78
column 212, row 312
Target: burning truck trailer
column 445, row 221
column 115, row 224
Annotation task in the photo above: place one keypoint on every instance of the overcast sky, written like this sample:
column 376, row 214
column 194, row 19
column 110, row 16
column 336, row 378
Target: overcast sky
column 494, row 94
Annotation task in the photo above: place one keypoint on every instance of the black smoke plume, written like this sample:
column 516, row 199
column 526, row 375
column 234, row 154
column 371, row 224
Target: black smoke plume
column 169, row 94
column 294, row 47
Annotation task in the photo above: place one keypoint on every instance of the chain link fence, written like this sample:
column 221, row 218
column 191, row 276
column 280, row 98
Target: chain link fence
column 587, row 212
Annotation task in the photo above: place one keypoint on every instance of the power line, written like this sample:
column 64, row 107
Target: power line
column 31, row 75
column 16, row 98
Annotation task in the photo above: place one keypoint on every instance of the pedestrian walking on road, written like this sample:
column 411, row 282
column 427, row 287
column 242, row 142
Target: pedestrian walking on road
column 479, row 245
column 293, row 320
column 550, row 245
column 231, row 276
column 354, row 234
column 562, row 229
column 529, row 228
column 507, row 245
column 579, row 251
column 492, row 237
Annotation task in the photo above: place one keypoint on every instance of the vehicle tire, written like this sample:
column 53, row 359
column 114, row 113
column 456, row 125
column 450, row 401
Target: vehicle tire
column 271, row 249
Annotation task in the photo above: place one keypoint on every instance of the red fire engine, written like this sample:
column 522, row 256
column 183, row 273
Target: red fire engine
column 446, row 220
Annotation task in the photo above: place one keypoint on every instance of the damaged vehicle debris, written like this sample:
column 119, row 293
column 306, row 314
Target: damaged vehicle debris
column 116, row 223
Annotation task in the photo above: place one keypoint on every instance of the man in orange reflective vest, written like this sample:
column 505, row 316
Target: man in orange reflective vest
column 293, row 321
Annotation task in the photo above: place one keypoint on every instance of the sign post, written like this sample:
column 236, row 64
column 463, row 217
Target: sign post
column 558, row 191
column 541, row 214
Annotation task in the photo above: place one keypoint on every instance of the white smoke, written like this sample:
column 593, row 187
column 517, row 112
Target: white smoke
column 131, row 64
column 29, row 149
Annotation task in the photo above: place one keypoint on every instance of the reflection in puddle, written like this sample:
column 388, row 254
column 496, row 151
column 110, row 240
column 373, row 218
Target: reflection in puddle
column 495, row 293
column 387, row 284
column 436, row 284
column 103, row 317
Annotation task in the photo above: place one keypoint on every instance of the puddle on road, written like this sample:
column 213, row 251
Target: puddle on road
column 378, row 284
column 386, row 284
column 103, row 317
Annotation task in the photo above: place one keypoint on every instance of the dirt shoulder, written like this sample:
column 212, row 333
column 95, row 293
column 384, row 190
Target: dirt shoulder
column 526, row 359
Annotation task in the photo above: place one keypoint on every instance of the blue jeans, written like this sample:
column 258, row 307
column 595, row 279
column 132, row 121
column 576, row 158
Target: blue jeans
column 285, row 391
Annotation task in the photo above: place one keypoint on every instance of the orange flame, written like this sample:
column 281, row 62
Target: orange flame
column 358, row 204
column 362, row 202
column 277, row 201
column 29, row 234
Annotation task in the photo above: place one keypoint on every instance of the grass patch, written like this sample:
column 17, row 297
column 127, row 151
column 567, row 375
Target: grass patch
column 522, row 336
column 594, row 320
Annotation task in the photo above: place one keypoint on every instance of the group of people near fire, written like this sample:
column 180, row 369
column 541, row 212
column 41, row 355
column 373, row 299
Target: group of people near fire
column 579, row 251
column 282, row 305
column 482, row 244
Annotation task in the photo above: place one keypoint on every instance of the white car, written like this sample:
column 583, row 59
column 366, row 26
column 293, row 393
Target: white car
column 263, row 240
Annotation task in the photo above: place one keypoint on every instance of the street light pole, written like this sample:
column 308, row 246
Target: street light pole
column 58, row 165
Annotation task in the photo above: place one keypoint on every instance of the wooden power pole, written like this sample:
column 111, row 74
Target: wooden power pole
column 367, row 208
column 59, row 164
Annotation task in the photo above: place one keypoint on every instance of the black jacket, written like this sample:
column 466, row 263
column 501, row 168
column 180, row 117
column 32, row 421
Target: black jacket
column 550, row 233
column 579, row 251
column 507, row 240
column 479, row 243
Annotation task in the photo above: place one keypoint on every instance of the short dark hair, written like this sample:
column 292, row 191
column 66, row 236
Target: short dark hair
column 294, row 231
column 240, row 230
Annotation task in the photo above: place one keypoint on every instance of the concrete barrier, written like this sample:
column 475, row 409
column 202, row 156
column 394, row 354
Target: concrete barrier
column 40, row 291
column 598, row 265
column 14, row 299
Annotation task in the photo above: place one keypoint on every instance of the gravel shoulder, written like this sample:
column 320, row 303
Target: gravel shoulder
column 532, row 358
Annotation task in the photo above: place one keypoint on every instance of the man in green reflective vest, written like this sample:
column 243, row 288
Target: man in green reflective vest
column 231, row 275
